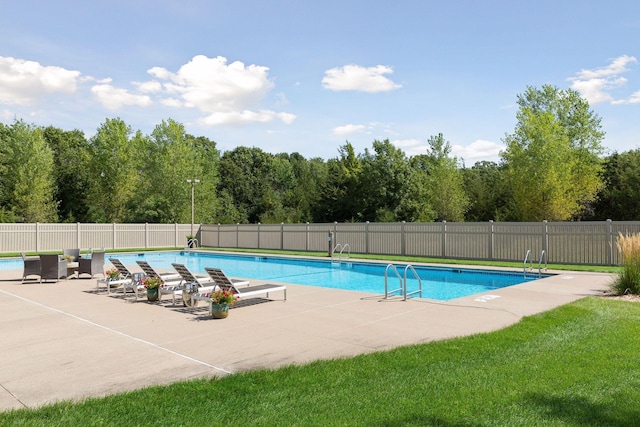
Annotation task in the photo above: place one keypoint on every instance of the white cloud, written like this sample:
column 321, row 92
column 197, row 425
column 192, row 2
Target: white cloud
column 152, row 86
column 411, row 147
column 478, row 150
column 596, row 85
column 355, row 77
column 348, row 129
column 635, row 98
column 228, row 93
column 23, row 82
column 113, row 98
column 245, row 116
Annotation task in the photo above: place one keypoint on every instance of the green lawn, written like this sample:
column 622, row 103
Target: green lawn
column 576, row 365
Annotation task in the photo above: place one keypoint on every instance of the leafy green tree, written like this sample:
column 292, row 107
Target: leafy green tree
column 27, row 180
column 303, row 196
column 247, row 176
column 488, row 192
column 553, row 157
column 619, row 200
column 173, row 158
column 443, row 179
column 340, row 199
column 391, row 188
column 115, row 167
column 71, row 159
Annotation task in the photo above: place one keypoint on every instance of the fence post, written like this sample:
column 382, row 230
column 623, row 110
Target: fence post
column 258, row 237
column 610, row 241
column 403, row 241
column 306, row 237
column 113, row 236
column 282, row 236
column 366, row 237
column 78, row 235
column 146, row 235
column 491, row 239
column 444, row 239
column 37, row 237
column 545, row 238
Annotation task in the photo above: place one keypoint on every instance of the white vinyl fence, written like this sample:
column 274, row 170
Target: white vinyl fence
column 56, row 237
column 592, row 242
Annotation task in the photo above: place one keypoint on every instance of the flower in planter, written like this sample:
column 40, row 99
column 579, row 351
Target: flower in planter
column 153, row 282
column 68, row 258
column 113, row 274
column 224, row 297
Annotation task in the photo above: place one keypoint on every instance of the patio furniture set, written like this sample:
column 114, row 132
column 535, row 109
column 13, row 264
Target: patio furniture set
column 56, row 266
column 182, row 284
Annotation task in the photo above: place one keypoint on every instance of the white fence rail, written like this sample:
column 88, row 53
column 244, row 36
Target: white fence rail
column 40, row 237
column 592, row 242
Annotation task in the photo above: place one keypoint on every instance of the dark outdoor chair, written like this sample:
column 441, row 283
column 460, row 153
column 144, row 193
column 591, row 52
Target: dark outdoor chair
column 75, row 253
column 52, row 268
column 31, row 266
column 93, row 265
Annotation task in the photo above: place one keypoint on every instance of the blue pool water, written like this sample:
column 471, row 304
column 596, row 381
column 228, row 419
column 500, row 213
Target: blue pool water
column 438, row 283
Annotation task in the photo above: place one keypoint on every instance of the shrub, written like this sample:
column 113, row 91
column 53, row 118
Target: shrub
column 628, row 282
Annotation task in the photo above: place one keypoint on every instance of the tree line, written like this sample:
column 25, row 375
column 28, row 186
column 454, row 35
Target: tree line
column 553, row 168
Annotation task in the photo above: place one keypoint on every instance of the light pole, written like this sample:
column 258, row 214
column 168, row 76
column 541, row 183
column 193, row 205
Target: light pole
column 192, row 182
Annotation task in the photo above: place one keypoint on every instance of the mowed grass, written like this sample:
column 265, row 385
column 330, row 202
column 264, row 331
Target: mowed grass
column 577, row 365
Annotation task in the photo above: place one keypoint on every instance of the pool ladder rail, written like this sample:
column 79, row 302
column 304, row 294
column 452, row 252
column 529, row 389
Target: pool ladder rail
column 527, row 257
column 403, row 282
column 342, row 249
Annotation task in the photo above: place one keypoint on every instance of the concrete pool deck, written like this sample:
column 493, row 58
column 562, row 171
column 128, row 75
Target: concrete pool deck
column 64, row 340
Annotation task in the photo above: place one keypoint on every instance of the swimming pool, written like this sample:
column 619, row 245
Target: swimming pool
column 438, row 283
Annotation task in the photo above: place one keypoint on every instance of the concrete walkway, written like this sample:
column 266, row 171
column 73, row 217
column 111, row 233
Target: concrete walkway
column 65, row 340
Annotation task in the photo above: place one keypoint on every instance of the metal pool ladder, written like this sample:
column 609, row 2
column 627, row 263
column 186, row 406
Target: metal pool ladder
column 543, row 256
column 403, row 282
column 342, row 248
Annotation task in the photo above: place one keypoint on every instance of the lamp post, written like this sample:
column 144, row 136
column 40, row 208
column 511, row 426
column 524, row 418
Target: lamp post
column 192, row 182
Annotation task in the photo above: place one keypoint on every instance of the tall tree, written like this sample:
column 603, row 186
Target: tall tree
column 340, row 199
column 489, row 195
column 443, row 179
column 71, row 158
column 619, row 200
column 391, row 187
column 553, row 157
column 245, row 176
column 114, row 167
column 26, row 178
column 173, row 158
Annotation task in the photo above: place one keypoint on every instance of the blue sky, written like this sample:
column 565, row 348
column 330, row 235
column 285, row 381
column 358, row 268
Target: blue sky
column 308, row 76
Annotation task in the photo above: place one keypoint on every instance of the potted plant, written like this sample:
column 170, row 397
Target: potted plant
column 112, row 274
column 220, row 302
column 152, row 285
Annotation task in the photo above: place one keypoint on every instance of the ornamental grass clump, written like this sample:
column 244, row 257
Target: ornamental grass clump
column 628, row 282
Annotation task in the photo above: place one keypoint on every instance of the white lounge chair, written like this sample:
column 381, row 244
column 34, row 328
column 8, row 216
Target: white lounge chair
column 171, row 282
column 128, row 280
column 193, row 284
column 235, row 286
